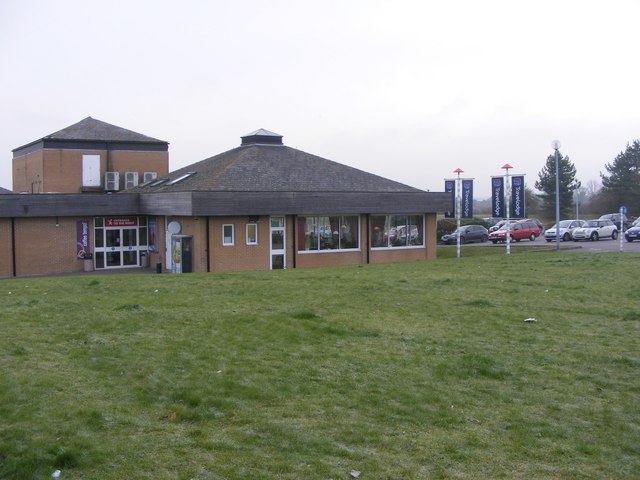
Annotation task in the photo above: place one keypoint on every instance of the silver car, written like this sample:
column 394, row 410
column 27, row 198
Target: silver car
column 566, row 230
column 595, row 230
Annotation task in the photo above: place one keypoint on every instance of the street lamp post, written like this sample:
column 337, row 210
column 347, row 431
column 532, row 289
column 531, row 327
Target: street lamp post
column 556, row 145
column 458, row 209
column 507, row 191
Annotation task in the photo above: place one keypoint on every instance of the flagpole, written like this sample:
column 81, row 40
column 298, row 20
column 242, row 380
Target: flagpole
column 507, row 190
column 458, row 209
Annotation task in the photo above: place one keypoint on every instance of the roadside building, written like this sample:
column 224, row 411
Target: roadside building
column 262, row 205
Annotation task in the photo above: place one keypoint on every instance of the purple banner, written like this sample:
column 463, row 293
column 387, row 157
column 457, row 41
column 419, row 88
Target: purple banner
column 517, row 197
column 467, row 199
column 497, row 197
column 450, row 187
column 82, row 239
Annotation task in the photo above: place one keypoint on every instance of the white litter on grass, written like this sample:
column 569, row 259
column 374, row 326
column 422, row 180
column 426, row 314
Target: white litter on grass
column 156, row 291
column 529, row 320
column 55, row 474
column 354, row 474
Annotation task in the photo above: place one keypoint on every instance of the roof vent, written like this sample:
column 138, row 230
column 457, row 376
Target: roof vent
column 261, row 137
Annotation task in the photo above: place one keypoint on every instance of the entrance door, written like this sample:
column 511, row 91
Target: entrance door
column 278, row 243
column 121, row 247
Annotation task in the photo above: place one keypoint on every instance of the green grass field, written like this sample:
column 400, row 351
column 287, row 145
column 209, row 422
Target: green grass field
column 405, row 371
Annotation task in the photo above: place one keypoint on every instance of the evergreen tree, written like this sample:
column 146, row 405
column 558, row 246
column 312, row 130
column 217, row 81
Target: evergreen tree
column 531, row 201
column 546, row 184
column 622, row 185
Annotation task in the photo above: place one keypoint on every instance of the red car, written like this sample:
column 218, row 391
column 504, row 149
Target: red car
column 518, row 231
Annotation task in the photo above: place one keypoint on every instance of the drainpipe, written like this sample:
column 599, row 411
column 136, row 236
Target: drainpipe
column 367, row 237
column 13, row 246
column 208, row 245
column 295, row 250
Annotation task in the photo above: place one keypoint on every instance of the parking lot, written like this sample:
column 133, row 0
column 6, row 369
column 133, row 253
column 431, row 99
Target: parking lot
column 603, row 245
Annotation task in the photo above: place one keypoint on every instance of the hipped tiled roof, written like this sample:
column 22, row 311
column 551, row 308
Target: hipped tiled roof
column 93, row 130
column 273, row 168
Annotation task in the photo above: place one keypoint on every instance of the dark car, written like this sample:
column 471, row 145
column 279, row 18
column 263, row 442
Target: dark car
column 615, row 218
column 633, row 232
column 468, row 233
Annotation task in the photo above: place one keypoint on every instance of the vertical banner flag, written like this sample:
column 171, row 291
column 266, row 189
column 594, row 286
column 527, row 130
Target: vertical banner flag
column 517, row 197
column 497, row 197
column 82, row 239
column 450, row 187
column 467, row 199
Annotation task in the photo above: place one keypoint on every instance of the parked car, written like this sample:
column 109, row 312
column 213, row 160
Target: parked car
column 538, row 222
column 468, row 233
column 633, row 233
column 615, row 218
column 518, row 231
column 500, row 224
column 595, row 230
column 491, row 221
column 566, row 230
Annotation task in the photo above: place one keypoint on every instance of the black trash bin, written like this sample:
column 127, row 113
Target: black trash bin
column 158, row 268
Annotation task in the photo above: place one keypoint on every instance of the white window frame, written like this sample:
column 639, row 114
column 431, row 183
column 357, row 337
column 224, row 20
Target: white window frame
column 232, row 242
column 249, row 227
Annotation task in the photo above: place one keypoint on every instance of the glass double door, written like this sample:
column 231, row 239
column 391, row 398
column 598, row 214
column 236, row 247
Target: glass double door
column 121, row 247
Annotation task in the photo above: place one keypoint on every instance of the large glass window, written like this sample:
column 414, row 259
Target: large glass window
column 329, row 232
column 388, row 231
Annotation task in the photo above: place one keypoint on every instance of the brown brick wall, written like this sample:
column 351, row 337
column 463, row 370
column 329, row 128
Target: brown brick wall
column 397, row 255
column 6, row 264
column 63, row 170
column 241, row 257
column 42, row 248
column 127, row 161
column 28, row 173
column 60, row 170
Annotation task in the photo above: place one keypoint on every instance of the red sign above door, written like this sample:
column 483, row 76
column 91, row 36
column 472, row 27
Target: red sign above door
column 120, row 222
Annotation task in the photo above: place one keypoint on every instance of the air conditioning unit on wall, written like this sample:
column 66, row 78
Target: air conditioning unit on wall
column 112, row 181
column 130, row 179
column 149, row 176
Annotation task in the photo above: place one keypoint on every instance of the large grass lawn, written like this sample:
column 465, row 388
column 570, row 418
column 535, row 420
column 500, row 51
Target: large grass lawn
column 405, row 371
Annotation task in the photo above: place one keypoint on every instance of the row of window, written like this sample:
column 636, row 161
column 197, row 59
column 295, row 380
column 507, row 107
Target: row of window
column 318, row 233
column 326, row 232
column 228, row 234
column 315, row 233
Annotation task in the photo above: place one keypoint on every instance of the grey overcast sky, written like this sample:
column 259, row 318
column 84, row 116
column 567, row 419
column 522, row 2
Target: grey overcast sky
column 406, row 89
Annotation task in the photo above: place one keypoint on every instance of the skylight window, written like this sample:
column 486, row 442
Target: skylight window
column 181, row 178
column 158, row 182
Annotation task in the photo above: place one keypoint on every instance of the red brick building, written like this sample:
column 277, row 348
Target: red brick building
column 262, row 205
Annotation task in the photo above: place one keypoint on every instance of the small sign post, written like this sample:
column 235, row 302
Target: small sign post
column 623, row 213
